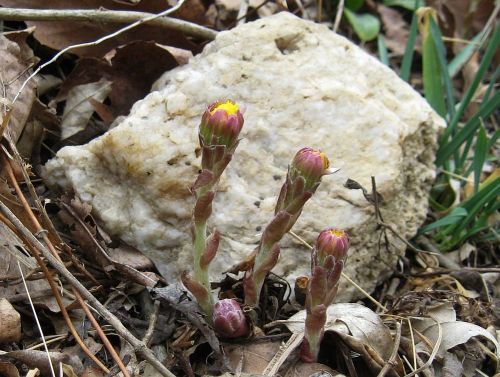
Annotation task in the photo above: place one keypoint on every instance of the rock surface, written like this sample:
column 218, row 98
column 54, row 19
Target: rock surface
column 302, row 85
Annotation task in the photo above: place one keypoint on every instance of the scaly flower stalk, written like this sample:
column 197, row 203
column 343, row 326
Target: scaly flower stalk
column 220, row 127
column 302, row 180
column 327, row 262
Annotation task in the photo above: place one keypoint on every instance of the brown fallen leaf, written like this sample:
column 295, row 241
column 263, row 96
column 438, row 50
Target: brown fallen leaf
column 396, row 29
column 10, row 325
column 94, row 243
column 79, row 107
column 357, row 327
column 132, row 70
column 39, row 360
column 10, row 254
column 8, row 370
column 16, row 60
column 60, row 34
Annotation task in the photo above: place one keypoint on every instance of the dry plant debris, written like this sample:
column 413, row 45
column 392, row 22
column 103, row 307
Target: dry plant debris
column 101, row 306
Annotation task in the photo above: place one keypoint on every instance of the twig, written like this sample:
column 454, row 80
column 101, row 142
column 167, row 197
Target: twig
column 352, row 282
column 109, row 317
column 106, row 16
column 152, row 324
column 49, row 277
column 391, row 363
column 433, row 353
column 37, row 321
column 285, row 350
column 95, row 43
column 338, row 16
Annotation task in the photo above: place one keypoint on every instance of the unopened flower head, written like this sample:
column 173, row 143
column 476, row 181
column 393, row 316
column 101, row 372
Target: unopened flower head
column 221, row 124
column 334, row 242
column 311, row 164
column 229, row 320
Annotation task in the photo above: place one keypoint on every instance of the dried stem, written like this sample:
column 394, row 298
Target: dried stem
column 50, row 279
column 109, row 317
column 391, row 363
column 105, row 16
column 43, row 234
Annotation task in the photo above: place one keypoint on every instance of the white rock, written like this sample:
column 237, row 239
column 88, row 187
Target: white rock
column 302, row 85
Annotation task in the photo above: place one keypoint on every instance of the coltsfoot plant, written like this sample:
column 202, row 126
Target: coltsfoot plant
column 302, row 180
column 327, row 262
column 218, row 133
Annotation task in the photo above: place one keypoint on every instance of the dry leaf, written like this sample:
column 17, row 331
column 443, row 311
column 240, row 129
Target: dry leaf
column 396, row 29
column 79, row 108
column 8, row 370
column 61, row 34
column 10, row 325
column 455, row 333
column 39, row 360
column 132, row 69
column 359, row 328
column 15, row 60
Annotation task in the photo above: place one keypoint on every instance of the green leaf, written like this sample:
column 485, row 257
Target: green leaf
column 409, row 50
column 441, row 55
column 453, row 217
column 407, row 4
column 354, row 5
column 479, row 156
column 432, row 77
column 483, row 67
column 366, row 25
column 463, row 56
column 467, row 132
column 382, row 50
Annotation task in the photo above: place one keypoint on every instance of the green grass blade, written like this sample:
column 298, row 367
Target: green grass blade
column 433, row 82
column 441, row 56
column 460, row 59
column 409, row 50
column 488, row 55
column 491, row 86
column 479, row 156
column 493, row 139
column 453, row 217
column 382, row 50
column 447, row 149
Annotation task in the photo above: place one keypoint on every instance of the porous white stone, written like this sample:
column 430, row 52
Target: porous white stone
column 302, row 85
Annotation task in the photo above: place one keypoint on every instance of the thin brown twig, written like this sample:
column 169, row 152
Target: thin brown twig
column 45, row 270
column 391, row 363
column 43, row 234
column 148, row 336
column 55, row 291
column 109, row 317
column 105, row 16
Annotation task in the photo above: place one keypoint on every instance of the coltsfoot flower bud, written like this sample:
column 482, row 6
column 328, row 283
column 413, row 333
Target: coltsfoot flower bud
column 334, row 242
column 229, row 320
column 311, row 164
column 221, row 124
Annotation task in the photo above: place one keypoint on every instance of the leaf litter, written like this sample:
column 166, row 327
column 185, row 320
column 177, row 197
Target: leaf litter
column 445, row 316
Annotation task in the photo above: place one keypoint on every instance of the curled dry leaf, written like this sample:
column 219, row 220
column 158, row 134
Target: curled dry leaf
column 39, row 359
column 396, row 29
column 453, row 334
column 10, row 324
column 79, row 107
column 8, row 370
column 360, row 329
column 15, row 61
column 61, row 34
column 132, row 70
column 254, row 358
